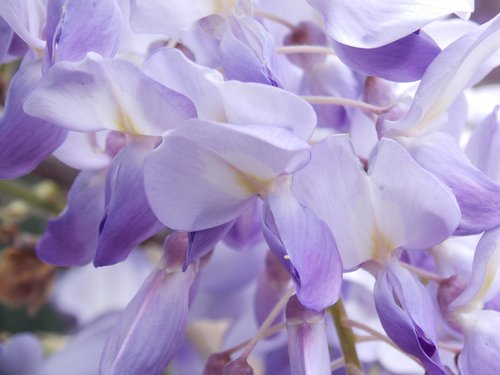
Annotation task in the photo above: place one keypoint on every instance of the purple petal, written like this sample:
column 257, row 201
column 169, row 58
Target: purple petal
column 26, row 18
column 369, row 25
column 449, row 74
column 246, row 231
column 307, row 342
column 21, row 355
column 128, row 219
column 333, row 179
column 6, row 34
column 481, row 344
column 306, row 248
column 77, row 27
column 484, row 144
column 413, row 208
column 203, row 241
column 218, row 170
column 248, row 53
column 407, row 315
column 71, row 238
column 97, row 94
column 477, row 195
column 151, row 328
column 403, row 60
column 239, row 103
column 484, row 282
column 25, row 141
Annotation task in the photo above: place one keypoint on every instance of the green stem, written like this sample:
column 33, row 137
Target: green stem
column 347, row 339
column 16, row 190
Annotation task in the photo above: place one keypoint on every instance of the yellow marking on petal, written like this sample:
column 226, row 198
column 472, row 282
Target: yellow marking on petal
column 125, row 124
column 223, row 6
column 381, row 246
column 252, row 184
column 287, row 257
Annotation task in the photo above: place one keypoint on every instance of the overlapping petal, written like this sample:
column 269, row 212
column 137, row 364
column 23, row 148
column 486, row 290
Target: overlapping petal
column 77, row 27
column 234, row 102
column 306, row 248
column 374, row 23
column 477, row 195
column 450, row 73
column 81, row 218
column 156, row 317
column 205, row 174
column 97, row 94
column 397, row 204
column 128, row 219
column 25, row 141
column 407, row 315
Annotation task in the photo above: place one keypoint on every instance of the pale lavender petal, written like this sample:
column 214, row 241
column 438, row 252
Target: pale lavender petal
column 168, row 17
column 481, row 344
column 25, row 141
column 484, row 282
column 128, row 219
column 26, row 18
column 307, row 341
column 20, row 355
column 82, row 351
column 97, row 94
column 407, row 315
column 173, row 69
column 248, row 53
column 403, row 60
column 305, row 247
column 335, row 187
column 413, row 208
column 376, row 23
column 239, row 103
column 151, row 329
column 82, row 27
column 484, row 145
column 253, row 103
column 88, row 292
column 84, row 150
column 450, row 73
column 477, row 195
column 206, row 174
column 246, row 231
column 71, row 238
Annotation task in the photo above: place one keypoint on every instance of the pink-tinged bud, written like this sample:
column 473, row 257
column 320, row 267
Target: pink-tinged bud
column 306, row 33
column 448, row 291
column 175, row 250
column 238, row 367
column 115, row 141
column 215, row 363
column 307, row 342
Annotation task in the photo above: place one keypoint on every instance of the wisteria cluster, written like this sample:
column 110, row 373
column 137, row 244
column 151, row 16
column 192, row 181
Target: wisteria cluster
column 323, row 175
